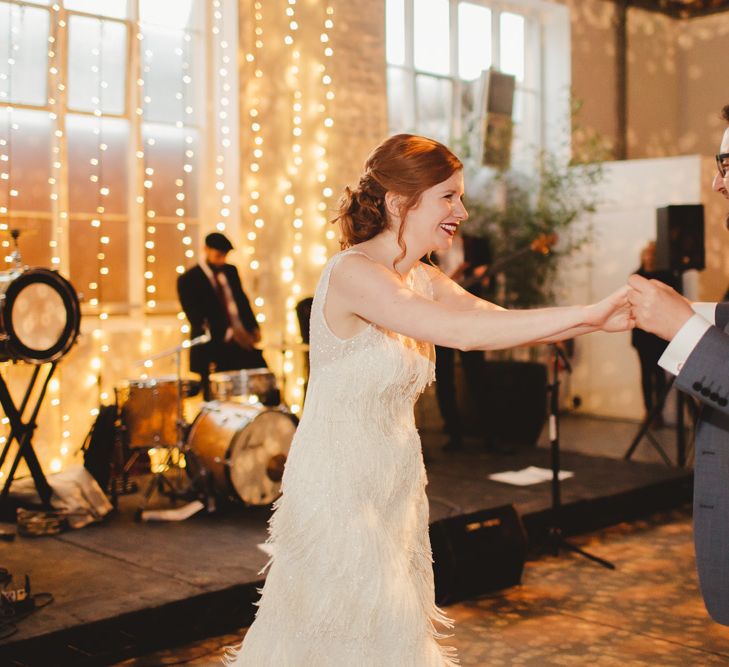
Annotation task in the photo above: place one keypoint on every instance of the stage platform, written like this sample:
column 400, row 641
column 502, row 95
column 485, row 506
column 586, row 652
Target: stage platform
column 123, row 588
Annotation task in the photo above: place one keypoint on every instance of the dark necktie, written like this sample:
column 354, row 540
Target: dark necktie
column 220, row 293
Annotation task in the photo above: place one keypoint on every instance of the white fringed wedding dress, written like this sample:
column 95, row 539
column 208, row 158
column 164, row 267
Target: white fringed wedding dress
column 351, row 578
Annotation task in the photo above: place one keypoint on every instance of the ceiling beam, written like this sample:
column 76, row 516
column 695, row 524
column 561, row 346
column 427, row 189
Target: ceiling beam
column 682, row 9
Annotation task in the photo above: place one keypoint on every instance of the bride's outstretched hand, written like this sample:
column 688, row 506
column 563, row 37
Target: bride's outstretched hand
column 612, row 313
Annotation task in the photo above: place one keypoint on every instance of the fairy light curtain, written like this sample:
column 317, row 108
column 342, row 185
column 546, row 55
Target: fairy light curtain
column 131, row 128
column 106, row 132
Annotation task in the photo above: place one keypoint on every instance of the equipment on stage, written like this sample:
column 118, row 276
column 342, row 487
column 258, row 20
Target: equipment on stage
column 40, row 316
column 149, row 410
column 244, row 447
column 679, row 248
column 556, row 529
column 40, row 319
column 680, row 237
column 235, row 449
column 247, row 385
column 477, row 553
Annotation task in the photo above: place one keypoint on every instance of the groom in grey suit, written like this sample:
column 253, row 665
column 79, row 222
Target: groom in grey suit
column 698, row 354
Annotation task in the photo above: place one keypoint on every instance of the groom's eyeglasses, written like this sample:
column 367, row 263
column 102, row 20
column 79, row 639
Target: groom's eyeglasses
column 721, row 165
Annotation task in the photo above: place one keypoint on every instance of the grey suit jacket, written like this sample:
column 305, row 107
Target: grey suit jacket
column 705, row 375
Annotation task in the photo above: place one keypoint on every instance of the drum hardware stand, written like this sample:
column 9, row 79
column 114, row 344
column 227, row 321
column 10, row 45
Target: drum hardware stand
column 556, row 532
column 644, row 430
column 22, row 431
column 199, row 482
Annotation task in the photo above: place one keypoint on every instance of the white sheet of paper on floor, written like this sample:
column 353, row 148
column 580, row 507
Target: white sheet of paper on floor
column 174, row 514
column 528, row 476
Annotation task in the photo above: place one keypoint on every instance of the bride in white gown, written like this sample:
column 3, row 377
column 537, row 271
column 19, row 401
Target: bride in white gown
column 351, row 578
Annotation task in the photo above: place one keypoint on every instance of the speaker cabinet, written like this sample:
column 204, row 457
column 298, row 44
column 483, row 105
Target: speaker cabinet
column 680, row 237
column 477, row 553
column 515, row 401
column 496, row 106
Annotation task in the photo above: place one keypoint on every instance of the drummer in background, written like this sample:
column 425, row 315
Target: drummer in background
column 213, row 299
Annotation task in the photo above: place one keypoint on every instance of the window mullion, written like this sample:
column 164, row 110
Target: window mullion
column 410, row 94
column 455, row 130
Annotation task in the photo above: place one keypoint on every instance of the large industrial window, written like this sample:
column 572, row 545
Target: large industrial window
column 104, row 138
column 436, row 51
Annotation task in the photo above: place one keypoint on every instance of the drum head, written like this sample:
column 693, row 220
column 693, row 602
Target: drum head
column 41, row 316
column 257, row 457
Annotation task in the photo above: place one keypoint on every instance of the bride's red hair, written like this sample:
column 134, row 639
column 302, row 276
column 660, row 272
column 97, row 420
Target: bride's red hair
column 406, row 164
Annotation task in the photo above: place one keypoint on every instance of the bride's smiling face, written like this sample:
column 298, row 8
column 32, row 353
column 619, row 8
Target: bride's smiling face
column 432, row 224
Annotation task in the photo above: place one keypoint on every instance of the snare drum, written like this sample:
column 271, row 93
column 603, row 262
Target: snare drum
column 244, row 447
column 40, row 315
column 247, row 385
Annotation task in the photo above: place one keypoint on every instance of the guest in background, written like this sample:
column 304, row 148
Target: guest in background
column 213, row 299
column 648, row 346
column 466, row 263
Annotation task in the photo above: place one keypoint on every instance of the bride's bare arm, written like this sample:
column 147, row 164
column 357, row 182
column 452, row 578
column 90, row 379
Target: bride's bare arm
column 362, row 288
column 450, row 293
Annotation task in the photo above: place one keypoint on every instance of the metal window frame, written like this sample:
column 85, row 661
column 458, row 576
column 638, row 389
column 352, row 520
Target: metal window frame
column 60, row 215
column 532, row 73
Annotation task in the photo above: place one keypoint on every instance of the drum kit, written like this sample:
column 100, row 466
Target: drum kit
column 234, row 449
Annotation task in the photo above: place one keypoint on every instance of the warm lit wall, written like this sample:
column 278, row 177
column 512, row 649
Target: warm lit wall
column 702, row 45
column 653, row 90
column 593, row 71
column 606, row 373
column 675, row 79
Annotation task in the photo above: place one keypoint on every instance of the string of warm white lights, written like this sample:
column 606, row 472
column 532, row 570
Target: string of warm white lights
column 150, row 213
column 223, row 125
column 5, row 159
column 56, row 103
column 96, row 177
column 187, row 150
column 290, row 268
column 255, row 127
column 322, row 165
column 6, row 141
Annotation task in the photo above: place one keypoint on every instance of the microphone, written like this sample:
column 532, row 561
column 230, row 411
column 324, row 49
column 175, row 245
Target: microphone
column 205, row 337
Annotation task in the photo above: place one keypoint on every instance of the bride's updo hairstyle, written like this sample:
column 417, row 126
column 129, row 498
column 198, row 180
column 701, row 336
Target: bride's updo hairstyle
column 405, row 164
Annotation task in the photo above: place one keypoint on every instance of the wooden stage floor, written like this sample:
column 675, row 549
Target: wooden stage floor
column 123, row 588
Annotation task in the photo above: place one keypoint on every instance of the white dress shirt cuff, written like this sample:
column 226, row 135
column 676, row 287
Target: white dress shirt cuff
column 706, row 309
column 683, row 344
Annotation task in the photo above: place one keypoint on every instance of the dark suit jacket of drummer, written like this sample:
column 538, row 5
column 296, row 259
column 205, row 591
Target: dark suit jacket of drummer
column 705, row 375
column 202, row 307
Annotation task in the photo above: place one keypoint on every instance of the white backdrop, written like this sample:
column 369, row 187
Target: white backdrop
column 606, row 371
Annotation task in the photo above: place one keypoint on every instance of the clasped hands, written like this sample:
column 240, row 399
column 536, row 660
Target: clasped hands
column 647, row 304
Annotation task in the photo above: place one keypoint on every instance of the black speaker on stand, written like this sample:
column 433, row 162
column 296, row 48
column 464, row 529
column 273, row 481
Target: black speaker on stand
column 680, row 237
column 679, row 248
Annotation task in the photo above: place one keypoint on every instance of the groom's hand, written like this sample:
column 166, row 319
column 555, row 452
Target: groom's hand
column 657, row 308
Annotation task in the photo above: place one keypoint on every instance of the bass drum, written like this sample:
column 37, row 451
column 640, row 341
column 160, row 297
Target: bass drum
column 40, row 316
column 244, row 448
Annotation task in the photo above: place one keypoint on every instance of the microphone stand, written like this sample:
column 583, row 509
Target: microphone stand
column 556, row 532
